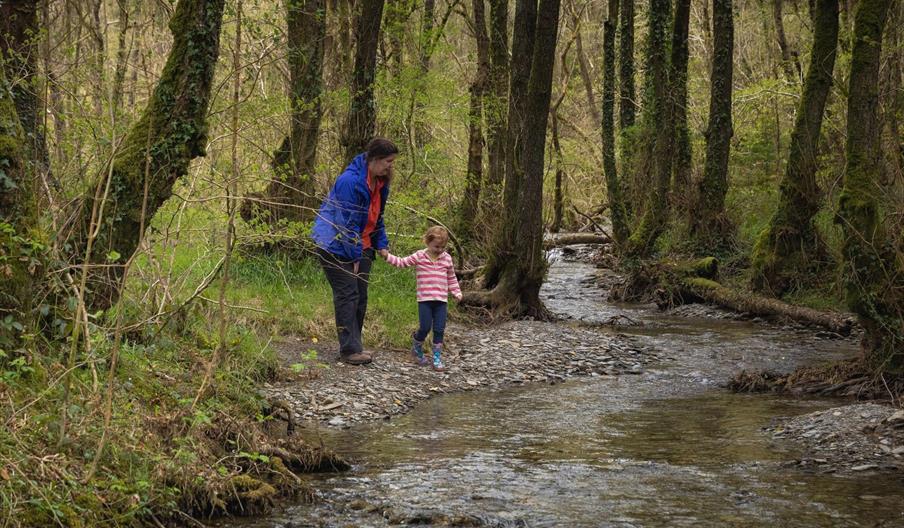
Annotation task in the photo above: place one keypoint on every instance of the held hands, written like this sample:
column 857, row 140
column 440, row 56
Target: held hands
column 383, row 253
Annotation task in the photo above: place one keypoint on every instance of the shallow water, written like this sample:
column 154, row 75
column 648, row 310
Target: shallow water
column 664, row 448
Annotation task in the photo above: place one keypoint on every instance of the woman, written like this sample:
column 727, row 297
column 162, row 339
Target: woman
column 348, row 231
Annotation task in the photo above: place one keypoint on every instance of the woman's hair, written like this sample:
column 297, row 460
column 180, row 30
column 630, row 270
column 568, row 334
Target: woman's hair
column 380, row 148
column 436, row 233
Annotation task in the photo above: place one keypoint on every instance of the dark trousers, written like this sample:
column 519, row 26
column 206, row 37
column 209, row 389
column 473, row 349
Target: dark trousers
column 349, row 297
column 431, row 314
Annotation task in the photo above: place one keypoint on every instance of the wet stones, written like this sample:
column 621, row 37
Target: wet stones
column 850, row 438
column 514, row 353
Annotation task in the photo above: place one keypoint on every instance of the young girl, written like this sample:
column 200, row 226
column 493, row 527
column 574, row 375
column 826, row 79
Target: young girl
column 435, row 275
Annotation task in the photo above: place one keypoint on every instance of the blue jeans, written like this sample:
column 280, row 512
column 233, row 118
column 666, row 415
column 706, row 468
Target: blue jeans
column 431, row 314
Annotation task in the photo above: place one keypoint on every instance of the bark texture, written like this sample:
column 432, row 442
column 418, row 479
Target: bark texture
column 362, row 113
column 873, row 271
column 681, row 163
column 496, row 102
column 790, row 239
column 156, row 151
column 627, row 107
column 709, row 224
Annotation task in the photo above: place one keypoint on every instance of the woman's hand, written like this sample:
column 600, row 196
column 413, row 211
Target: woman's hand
column 384, row 253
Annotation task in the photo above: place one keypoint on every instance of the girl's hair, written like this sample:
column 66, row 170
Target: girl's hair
column 380, row 148
column 436, row 233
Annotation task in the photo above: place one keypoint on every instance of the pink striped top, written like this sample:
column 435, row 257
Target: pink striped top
column 435, row 278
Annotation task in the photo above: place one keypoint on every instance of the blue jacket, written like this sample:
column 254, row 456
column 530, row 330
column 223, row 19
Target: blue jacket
column 343, row 214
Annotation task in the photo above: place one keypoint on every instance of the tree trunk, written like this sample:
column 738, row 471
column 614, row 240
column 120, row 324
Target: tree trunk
column 155, row 153
column 873, row 273
column 790, row 58
column 515, row 269
column 613, row 187
column 627, row 106
column 584, row 68
column 362, row 113
column 19, row 35
column 558, row 205
column 681, row 164
column 476, row 142
column 495, row 108
column 122, row 54
column 19, row 252
column 661, row 118
column 709, row 223
column 291, row 193
column 783, row 247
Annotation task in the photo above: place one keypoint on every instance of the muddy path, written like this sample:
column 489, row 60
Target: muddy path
column 645, row 436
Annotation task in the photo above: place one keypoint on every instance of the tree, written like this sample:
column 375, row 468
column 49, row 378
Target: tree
column 709, row 224
column 476, row 140
column 18, row 217
column 362, row 112
column 626, row 96
column 873, row 270
column 681, row 163
column 155, row 153
column 613, row 188
column 515, row 269
column 660, row 125
column 291, row 193
column 19, row 35
column 495, row 106
column 784, row 246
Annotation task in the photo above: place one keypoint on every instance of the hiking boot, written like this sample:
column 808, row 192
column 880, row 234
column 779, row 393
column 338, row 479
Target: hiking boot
column 358, row 358
column 417, row 352
column 437, row 362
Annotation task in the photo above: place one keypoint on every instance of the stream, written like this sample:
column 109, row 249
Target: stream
column 668, row 447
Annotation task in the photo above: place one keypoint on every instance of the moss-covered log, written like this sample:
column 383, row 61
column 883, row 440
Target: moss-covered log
column 156, row 151
column 617, row 211
column 709, row 225
column 873, row 270
column 291, row 193
column 789, row 241
column 20, row 245
column 362, row 113
column 750, row 303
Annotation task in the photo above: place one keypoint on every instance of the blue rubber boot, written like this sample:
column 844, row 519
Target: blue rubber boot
column 417, row 352
column 437, row 361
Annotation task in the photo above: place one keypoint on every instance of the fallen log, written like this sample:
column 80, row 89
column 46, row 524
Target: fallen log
column 572, row 239
column 713, row 292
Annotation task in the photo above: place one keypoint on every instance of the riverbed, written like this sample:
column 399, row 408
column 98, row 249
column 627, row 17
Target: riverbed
column 666, row 447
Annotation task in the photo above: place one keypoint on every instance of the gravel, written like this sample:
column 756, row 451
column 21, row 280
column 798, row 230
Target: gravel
column 850, row 438
column 513, row 353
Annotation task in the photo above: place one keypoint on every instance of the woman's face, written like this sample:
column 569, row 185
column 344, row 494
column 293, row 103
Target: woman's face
column 382, row 167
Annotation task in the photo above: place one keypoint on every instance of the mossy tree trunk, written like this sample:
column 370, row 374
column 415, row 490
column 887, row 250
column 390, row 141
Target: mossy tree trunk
column 362, row 113
column 156, row 151
column 476, row 141
column 660, row 121
column 517, row 265
column 496, row 107
column 19, row 36
column 783, row 247
column 627, row 107
column 709, row 224
column 873, row 270
column 681, row 164
column 790, row 58
column 613, row 187
column 291, row 193
column 19, row 240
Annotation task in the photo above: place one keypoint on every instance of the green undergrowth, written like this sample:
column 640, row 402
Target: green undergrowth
column 167, row 457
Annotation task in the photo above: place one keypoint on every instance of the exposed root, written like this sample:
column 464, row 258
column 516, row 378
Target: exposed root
column 848, row 378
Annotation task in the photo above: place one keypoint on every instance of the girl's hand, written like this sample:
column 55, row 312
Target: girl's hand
column 384, row 253
column 458, row 298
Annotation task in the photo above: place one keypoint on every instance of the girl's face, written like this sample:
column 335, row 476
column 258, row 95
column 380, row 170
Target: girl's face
column 436, row 246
